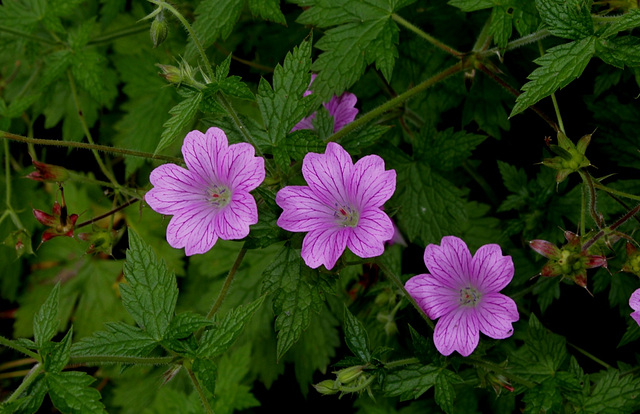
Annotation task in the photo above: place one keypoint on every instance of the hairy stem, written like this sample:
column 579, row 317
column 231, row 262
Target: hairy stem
column 401, row 362
column 84, row 145
column 127, row 31
column 588, row 182
column 590, row 356
column 500, row 370
column 514, row 44
column 28, row 379
column 392, row 103
column 615, row 192
column 614, row 226
column 119, row 359
column 426, row 36
column 10, row 344
column 227, row 283
column 27, row 36
column 201, row 394
column 107, row 214
column 396, row 281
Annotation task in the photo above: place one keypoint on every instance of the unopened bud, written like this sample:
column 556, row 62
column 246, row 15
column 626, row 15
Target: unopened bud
column 159, row 30
column 348, row 375
column 48, row 172
column 326, row 387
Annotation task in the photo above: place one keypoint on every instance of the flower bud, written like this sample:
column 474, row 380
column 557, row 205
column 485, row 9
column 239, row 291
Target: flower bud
column 632, row 265
column 47, row 172
column 326, row 387
column 499, row 382
column 348, row 375
column 21, row 240
column 545, row 248
column 159, row 30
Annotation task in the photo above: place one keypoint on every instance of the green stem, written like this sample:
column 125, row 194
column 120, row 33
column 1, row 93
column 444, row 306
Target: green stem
column 84, row 145
column 514, row 44
column 392, row 103
column 557, row 109
column 426, row 36
column 10, row 344
column 590, row 356
column 7, row 175
column 27, row 36
column 616, row 192
column 401, row 362
column 588, row 182
column 107, row 214
column 227, row 283
column 203, row 396
column 28, row 379
column 192, row 34
column 500, row 370
column 119, row 359
column 396, row 281
column 583, row 211
column 127, row 31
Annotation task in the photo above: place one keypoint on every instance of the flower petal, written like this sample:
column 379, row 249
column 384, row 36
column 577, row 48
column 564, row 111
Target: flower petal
column 370, row 184
column 457, row 331
column 368, row 237
column 233, row 221
column 343, row 110
column 324, row 247
column 203, row 153
column 302, row 210
column 175, row 189
column 305, row 123
column 449, row 262
column 490, row 271
column 435, row 300
column 193, row 229
column 326, row 174
column 495, row 313
column 634, row 300
column 240, row 168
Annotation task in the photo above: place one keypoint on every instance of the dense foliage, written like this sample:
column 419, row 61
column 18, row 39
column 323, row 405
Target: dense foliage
column 510, row 123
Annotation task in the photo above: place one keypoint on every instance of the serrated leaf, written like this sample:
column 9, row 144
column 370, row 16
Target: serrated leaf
column 181, row 117
column 88, row 68
column 501, row 25
column 543, row 353
column 232, row 394
column 118, row 339
column 206, row 372
column 186, row 323
column 294, row 298
column 215, row 20
column 614, row 393
column 355, row 336
column 35, row 396
column 544, row 397
column 356, row 141
column 151, row 291
column 446, row 150
column 219, row 338
column 299, row 143
column 445, row 395
column 515, row 179
column 620, row 51
column 283, row 106
column 410, row 382
column 627, row 21
column 431, row 206
column 558, row 67
column 383, row 49
column 471, row 5
column 233, row 86
column 570, row 19
column 70, row 393
column 46, row 321
column 55, row 356
column 268, row 10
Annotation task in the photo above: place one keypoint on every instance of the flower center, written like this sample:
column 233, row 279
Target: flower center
column 346, row 216
column 219, row 196
column 469, row 296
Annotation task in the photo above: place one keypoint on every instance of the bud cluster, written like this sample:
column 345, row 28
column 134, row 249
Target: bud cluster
column 570, row 157
column 348, row 380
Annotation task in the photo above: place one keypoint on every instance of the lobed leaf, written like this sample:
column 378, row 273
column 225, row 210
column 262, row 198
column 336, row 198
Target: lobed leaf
column 46, row 321
column 570, row 19
column 181, row 117
column 118, row 339
column 356, row 336
column 70, row 393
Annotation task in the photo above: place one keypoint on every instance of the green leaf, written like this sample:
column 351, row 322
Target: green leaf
column 472, row 5
column 430, row 206
column 444, row 393
column 46, row 321
column 35, row 396
column 515, row 179
column 70, row 393
column 543, row 353
column 181, row 117
column 215, row 20
column 218, row 339
column 299, row 143
column 283, row 106
column 233, row 86
column 558, row 67
column 268, row 10
column 186, row 323
column 544, row 397
column 89, row 69
column 356, row 141
column 410, row 382
column 151, row 291
column 206, row 372
column 614, row 393
column 620, row 51
column 118, row 339
column 627, row 21
column 356, row 336
column 501, row 25
column 231, row 393
column 447, row 150
column 570, row 19
column 294, row 298
column 55, row 356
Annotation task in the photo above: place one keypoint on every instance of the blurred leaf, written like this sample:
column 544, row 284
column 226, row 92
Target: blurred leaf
column 46, row 321
column 70, row 393
column 232, row 394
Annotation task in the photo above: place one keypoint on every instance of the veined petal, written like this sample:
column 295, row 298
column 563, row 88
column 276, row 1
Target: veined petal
column 302, row 210
column 368, row 237
column 343, row 110
column 490, row 271
column 326, row 173
column 495, row 313
column 634, row 300
column 174, row 189
column 193, row 229
column 457, row 331
column 305, row 123
column 324, row 247
column 232, row 222
column 370, row 184
column 449, row 263
column 240, row 169
column 203, row 153
column 434, row 299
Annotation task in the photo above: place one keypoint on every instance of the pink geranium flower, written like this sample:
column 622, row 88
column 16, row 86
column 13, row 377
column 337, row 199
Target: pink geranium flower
column 340, row 208
column 211, row 198
column 634, row 302
column 462, row 291
column 341, row 108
